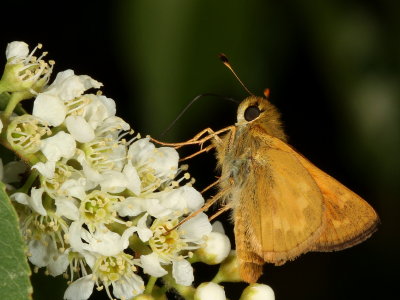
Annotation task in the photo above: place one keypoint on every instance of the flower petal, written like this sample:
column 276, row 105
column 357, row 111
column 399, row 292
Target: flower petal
column 151, row 265
column 128, row 287
column 182, row 271
column 133, row 178
column 35, row 201
column 40, row 251
column 59, row 265
column 49, row 108
column 80, row 289
column 196, row 228
column 46, row 169
column 144, row 233
column 131, row 206
column 67, row 208
column 17, row 49
column 59, row 145
column 79, row 129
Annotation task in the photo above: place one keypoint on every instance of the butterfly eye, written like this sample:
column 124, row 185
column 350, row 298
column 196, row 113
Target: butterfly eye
column 251, row 113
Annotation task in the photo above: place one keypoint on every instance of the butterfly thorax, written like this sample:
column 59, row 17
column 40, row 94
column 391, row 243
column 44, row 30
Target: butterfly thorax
column 237, row 148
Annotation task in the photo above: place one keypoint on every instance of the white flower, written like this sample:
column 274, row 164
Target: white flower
column 103, row 249
column 52, row 104
column 60, row 179
column 99, row 108
column 57, row 146
column 181, row 200
column 17, row 50
column 102, row 241
column 86, row 120
column 25, row 133
column 68, row 86
column 216, row 248
column 209, row 290
column 102, row 162
column 162, row 161
column 41, row 250
column 170, row 247
column 256, row 291
column 34, row 201
column 24, row 71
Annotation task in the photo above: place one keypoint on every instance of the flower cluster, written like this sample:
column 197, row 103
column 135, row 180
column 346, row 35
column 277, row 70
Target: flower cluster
column 101, row 204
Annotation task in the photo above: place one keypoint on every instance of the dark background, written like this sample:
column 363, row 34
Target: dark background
column 333, row 68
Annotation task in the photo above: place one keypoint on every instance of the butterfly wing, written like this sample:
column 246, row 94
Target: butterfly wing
column 280, row 212
column 349, row 219
column 290, row 207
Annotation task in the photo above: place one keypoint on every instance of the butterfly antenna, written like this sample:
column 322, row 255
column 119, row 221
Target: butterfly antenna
column 225, row 61
column 191, row 103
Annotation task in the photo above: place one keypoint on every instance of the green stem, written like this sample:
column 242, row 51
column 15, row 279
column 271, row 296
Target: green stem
column 3, row 87
column 28, row 183
column 150, row 285
column 14, row 100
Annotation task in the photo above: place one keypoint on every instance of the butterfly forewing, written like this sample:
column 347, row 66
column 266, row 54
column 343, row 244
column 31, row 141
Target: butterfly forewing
column 349, row 218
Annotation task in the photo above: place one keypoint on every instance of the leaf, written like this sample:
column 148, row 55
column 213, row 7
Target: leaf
column 14, row 268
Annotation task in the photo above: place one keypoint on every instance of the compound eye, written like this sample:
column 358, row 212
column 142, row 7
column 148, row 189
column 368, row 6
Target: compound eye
column 251, row 113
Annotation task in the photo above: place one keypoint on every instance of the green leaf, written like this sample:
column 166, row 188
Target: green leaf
column 14, row 268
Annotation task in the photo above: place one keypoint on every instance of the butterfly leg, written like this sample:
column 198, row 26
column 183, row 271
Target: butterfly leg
column 220, row 211
column 211, row 185
column 205, row 207
column 206, row 149
column 199, row 138
column 192, row 141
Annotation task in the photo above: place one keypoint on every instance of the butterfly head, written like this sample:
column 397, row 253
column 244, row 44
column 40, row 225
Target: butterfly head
column 259, row 112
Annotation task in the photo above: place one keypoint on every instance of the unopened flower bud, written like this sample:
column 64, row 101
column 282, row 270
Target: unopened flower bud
column 215, row 250
column 209, row 290
column 257, row 291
